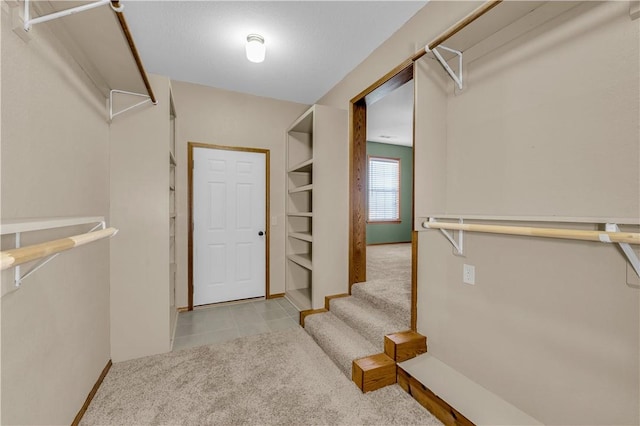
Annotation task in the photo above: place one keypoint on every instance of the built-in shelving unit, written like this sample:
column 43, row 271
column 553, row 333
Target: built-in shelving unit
column 316, row 243
column 299, row 279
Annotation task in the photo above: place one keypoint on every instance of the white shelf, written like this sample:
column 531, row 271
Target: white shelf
column 304, row 236
column 11, row 226
column 303, row 167
column 301, row 214
column 301, row 189
column 303, row 260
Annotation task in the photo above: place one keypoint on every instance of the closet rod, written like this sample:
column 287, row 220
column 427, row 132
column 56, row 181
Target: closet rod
column 571, row 234
column 132, row 47
column 451, row 31
column 18, row 256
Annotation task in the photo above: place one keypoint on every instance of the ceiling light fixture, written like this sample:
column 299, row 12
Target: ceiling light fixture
column 255, row 48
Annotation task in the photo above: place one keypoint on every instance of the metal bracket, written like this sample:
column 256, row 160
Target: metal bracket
column 626, row 248
column 457, row 78
column 18, row 277
column 111, row 93
column 28, row 22
column 457, row 245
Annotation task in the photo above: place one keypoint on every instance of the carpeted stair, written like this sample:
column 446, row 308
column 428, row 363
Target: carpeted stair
column 342, row 343
column 392, row 299
column 369, row 320
column 355, row 326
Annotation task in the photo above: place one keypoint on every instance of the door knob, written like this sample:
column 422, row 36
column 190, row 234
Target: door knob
column 261, row 233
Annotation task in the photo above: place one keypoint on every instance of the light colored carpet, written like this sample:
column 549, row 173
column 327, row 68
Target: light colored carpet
column 389, row 261
column 366, row 319
column 342, row 343
column 280, row 378
column 356, row 325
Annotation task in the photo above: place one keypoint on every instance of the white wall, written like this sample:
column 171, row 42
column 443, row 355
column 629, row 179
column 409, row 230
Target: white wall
column 55, row 162
column 139, row 163
column 220, row 117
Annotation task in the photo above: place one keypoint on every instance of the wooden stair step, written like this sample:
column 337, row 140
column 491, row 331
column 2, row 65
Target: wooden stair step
column 307, row 312
column 404, row 345
column 373, row 372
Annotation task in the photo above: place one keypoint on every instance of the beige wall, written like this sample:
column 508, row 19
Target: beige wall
column 139, row 162
column 547, row 125
column 330, row 204
column 216, row 116
column 55, row 162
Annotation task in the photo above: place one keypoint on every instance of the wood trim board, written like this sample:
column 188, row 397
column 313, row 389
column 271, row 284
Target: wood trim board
column 429, row 400
column 92, row 393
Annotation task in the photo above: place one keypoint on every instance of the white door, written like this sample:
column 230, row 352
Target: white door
column 229, row 203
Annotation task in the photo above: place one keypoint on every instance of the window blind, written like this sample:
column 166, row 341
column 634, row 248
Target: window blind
column 384, row 189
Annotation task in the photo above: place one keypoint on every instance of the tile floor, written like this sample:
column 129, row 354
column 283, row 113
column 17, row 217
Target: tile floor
column 221, row 323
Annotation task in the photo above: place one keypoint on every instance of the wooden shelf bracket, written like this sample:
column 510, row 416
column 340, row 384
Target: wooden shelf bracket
column 611, row 234
column 457, row 78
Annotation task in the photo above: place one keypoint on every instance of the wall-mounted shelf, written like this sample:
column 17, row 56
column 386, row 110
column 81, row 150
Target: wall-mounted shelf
column 13, row 226
column 96, row 34
column 610, row 234
column 47, row 251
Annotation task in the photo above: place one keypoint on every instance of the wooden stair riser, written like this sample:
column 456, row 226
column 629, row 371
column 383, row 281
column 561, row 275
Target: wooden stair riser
column 327, row 299
column 373, row 372
column 404, row 345
column 429, row 400
column 304, row 314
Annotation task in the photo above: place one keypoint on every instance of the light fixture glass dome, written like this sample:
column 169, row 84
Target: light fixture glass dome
column 255, row 48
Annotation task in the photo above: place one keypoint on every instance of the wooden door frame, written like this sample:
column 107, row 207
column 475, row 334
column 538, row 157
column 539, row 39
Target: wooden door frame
column 267, row 153
column 358, row 178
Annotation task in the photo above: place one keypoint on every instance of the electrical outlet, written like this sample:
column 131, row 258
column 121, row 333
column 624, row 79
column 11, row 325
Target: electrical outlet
column 469, row 274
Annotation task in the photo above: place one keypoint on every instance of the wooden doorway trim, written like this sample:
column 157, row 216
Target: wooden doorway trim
column 266, row 152
column 358, row 166
column 358, row 145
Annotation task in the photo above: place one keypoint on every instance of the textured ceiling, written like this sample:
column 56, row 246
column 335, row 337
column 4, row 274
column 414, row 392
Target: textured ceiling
column 311, row 45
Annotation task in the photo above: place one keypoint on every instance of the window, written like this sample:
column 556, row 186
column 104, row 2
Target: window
column 384, row 189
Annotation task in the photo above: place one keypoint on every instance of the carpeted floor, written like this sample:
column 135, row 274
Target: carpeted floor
column 389, row 261
column 280, row 378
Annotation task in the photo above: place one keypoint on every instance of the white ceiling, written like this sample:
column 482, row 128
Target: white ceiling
column 390, row 119
column 311, row 45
